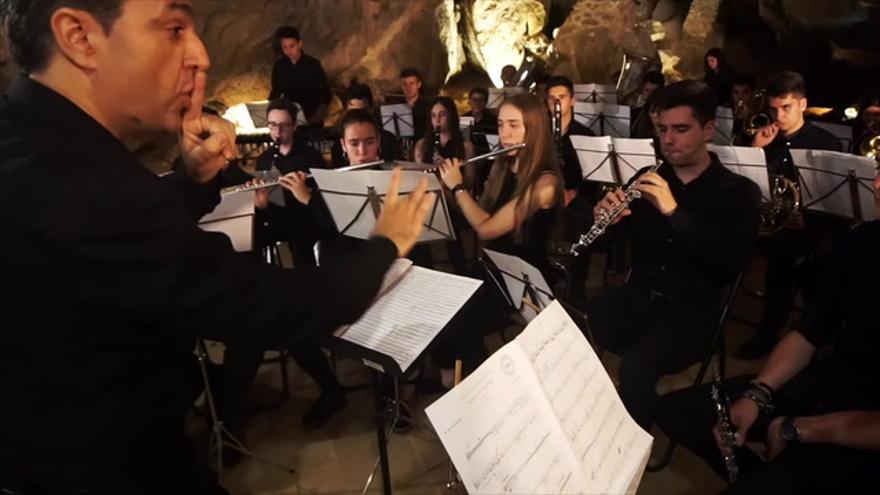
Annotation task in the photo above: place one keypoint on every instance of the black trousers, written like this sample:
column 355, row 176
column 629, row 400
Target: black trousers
column 653, row 336
column 688, row 416
column 782, row 250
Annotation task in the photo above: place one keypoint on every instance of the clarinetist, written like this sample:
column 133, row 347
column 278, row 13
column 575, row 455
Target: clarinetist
column 692, row 231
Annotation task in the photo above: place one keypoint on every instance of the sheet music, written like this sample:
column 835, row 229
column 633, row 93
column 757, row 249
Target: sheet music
column 843, row 133
column 723, row 126
column 541, row 416
column 465, row 122
column 607, row 442
column 516, row 287
column 406, row 319
column 746, row 161
column 494, row 141
column 593, row 154
column 346, row 198
column 604, row 119
column 404, row 119
column 821, row 172
column 596, row 93
column 234, row 216
column 497, row 96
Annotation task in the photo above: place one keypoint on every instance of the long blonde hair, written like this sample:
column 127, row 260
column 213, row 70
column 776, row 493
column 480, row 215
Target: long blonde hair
column 537, row 158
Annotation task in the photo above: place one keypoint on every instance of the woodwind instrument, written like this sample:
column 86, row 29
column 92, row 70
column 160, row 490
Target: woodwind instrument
column 264, row 182
column 725, row 425
column 436, row 158
column 491, row 154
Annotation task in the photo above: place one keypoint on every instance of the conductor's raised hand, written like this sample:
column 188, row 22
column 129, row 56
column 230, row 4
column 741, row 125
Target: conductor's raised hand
column 402, row 219
column 207, row 142
column 608, row 203
column 450, row 172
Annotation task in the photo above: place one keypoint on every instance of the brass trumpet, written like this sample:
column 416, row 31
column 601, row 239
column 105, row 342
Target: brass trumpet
column 870, row 147
column 760, row 117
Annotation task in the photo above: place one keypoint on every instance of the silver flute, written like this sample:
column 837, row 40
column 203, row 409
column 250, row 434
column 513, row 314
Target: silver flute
column 728, row 434
column 262, row 183
column 605, row 217
column 500, row 151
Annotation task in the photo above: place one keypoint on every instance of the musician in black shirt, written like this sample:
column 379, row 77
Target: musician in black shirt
column 485, row 120
column 443, row 120
column 110, row 271
column 692, row 232
column 786, row 102
column 816, row 411
column 298, row 76
column 359, row 96
column 411, row 85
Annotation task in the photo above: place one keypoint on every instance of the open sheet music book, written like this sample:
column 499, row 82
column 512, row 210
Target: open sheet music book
column 746, row 161
column 836, row 183
column 541, row 416
column 234, row 216
column 612, row 160
column 413, row 306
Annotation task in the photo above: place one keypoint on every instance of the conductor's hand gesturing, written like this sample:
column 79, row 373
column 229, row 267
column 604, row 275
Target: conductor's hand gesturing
column 402, row 219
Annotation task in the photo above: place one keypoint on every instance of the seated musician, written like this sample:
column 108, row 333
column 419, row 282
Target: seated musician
column 485, row 120
column 868, row 125
column 359, row 96
column 817, row 413
column 642, row 125
column 786, row 102
column 516, row 215
column 411, row 85
column 443, row 120
column 743, row 95
column 691, row 232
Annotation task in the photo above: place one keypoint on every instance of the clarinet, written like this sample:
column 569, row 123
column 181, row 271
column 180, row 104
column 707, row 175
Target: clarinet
column 606, row 217
column 719, row 398
column 436, row 158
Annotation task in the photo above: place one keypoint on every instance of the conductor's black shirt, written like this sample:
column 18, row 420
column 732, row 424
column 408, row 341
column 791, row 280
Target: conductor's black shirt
column 111, row 282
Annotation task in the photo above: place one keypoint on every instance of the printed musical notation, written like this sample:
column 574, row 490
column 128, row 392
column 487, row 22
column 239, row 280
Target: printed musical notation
column 541, row 415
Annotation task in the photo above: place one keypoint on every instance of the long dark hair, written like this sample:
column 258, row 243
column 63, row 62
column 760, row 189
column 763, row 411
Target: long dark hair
column 455, row 146
column 537, row 158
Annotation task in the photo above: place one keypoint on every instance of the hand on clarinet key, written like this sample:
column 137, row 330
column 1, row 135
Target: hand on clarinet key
column 743, row 414
column 402, row 219
column 656, row 191
column 207, row 142
column 608, row 203
column 450, row 172
column 295, row 182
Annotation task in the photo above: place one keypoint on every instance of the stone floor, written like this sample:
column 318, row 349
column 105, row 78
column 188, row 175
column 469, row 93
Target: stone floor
column 338, row 458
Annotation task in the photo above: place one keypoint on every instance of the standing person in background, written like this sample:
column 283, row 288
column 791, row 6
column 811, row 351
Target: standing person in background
column 718, row 75
column 299, row 77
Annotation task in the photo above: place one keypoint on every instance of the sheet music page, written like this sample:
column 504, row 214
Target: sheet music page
column 606, row 441
column 406, row 319
column 822, row 171
column 633, row 155
column 516, row 287
column 404, row 125
column 232, row 205
column 500, row 432
column 345, row 195
column 604, row 93
column 240, row 231
column 494, row 141
column 723, row 126
column 746, row 161
column 498, row 95
column 592, row 153
column 614, row 122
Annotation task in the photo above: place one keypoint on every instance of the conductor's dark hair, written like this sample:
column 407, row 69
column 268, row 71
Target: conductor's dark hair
column 288, row 106
column 785, row 83
column 286, row 32
column 410, row 72
column 30, row 34
column 358, row 91
column 554, row 81
column 688, row 93
column 358, row 116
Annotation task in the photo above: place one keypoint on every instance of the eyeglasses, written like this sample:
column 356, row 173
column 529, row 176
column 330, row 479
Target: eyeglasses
column 283, row 125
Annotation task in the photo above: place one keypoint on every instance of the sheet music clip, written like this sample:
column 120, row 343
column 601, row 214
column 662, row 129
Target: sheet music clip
column 398, row 119
column 355, row 201
column 604, row 119
column 836, row 183
column 612, row 160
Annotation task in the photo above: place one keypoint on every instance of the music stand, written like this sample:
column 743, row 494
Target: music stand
column 604, row 119
column 493, row 141
column 836, row 183
column 466, row 125
column 497, row 96
column 524, row 287
column 612, row 160
column 596, row 93
column 355, row 200
column 398, row 119
column 746, row 161
column 723, row 126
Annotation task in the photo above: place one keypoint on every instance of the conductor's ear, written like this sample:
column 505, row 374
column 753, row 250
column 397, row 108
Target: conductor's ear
column 78, row 36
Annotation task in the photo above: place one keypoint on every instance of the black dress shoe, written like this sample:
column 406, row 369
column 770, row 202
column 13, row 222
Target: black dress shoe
column 328, row 403
column 758, row 346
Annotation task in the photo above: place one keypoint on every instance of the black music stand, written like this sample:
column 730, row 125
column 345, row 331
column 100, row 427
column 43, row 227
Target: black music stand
column 746, row 161
column 398, row 119
column 836, row 183
column 612, row 160
column 604, row 119
column 723, row 126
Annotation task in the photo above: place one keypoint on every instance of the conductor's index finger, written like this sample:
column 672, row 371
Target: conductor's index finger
column 392, row 195
column 193, row 114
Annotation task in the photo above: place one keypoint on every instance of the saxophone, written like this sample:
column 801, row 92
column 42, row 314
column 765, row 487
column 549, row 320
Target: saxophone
column 722, row 407
column 607, row 216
